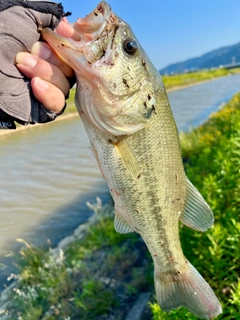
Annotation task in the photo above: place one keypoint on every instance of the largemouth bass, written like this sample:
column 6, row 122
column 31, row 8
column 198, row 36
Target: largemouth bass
column 125, row 109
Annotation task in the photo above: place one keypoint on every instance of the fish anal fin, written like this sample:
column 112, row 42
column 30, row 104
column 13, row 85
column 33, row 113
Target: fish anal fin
column 128, row 158
column 120, row 225
column 197, row 214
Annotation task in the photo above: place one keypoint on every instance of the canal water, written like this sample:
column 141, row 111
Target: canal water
column 192, row 105
column 48, row 173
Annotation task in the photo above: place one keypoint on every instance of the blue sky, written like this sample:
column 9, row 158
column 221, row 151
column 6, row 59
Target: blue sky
column 173, row 30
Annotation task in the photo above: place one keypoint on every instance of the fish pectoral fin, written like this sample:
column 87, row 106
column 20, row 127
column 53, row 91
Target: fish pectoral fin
column 128, row 158
column 120, row 225
column 197, row 214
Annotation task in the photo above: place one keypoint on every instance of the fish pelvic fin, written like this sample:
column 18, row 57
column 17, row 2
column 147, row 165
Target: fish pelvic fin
column 197, row 214
column 188, row 289
column 120, row 225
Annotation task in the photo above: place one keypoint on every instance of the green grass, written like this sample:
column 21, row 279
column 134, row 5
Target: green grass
column 187, row 79
column 70, row 102
column 94, row 276
column 100, row 274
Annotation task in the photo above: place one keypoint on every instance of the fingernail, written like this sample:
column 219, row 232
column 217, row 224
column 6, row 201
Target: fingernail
column 41, row 50
column 41, row 84
column 26, row 59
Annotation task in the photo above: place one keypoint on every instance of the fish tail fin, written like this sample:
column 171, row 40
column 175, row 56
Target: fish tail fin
column 187, row 289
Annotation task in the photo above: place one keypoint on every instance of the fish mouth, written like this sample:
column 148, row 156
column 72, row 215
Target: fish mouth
column 89, row 29
column 93, row 24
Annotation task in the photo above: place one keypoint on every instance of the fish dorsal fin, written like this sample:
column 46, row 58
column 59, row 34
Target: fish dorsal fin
column 120, row 225
column 197, row 213
column 128, row 158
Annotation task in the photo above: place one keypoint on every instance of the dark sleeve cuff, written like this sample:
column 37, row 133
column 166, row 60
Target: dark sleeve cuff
column 6, row 121
column 41, row 115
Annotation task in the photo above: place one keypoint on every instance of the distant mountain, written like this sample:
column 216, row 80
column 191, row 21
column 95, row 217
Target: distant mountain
column 212, row 59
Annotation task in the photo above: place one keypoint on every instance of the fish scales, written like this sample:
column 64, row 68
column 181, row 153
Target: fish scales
column 126, row 113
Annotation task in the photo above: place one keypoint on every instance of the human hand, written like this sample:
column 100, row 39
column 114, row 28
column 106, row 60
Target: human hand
column 51, row 78
column 20, row 21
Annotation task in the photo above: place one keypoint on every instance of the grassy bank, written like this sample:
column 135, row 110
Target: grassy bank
column 100, row 273
column 186, row 79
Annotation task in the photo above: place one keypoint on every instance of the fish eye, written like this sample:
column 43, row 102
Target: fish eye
column 130, row 46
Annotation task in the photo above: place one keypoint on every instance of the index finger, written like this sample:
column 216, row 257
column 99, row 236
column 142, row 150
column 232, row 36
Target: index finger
column 43, row 51
column 65, row 29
